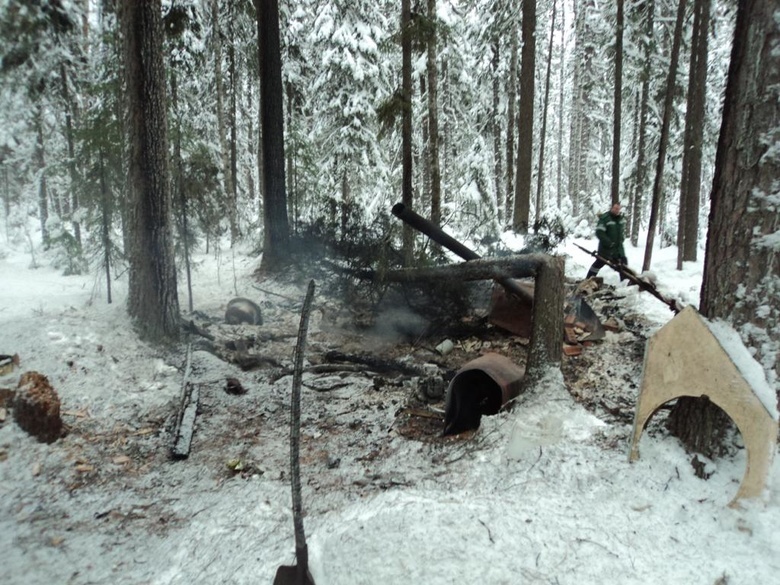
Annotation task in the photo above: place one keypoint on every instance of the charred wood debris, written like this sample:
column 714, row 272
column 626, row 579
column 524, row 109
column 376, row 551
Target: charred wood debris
column 416, row 333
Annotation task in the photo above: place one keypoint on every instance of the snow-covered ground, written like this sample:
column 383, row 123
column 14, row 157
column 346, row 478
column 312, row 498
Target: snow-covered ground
column 544, row 494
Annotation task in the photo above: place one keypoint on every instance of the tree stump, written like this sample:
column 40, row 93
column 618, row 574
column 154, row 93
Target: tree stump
column 37, row 408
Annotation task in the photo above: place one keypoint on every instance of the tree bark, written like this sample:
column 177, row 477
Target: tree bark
column 664, row 139
column 525, row 126
column 152, row 300
column 277, row 235
column 406, row 127
column 641, row 173
column 540, row 171
column 433, row 119
column 562, row 65
column 697, row 96
column 741, row 282
column 43, row 193
column 615, row 187
column 74, row 198
column 510, row 130
column 495, row 47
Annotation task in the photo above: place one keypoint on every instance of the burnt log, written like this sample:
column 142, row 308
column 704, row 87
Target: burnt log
column 547, row 318
column 439, row 236
column 188, row 411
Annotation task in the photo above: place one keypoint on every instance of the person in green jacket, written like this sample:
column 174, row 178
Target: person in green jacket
column 610, row 231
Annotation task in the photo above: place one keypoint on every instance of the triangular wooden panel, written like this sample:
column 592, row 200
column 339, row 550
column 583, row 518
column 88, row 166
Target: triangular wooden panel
column 684, row 358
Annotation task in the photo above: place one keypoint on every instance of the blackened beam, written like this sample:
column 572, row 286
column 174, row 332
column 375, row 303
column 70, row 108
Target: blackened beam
column 439, row 236
column 498, row 269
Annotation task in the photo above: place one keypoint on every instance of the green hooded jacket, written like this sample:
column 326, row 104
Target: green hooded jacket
column 610, row 231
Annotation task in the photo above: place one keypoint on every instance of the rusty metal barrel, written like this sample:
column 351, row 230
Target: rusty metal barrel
column 481, row 387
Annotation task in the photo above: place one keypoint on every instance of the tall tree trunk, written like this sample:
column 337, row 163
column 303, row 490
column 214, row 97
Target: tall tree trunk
column 433, row 119
column 615, row 190
column 105, row 211
column 525, row 126
column 43, row 193
column 697, row 108
column 219, row 92
column 407, row 196
column 153, row 302
column 664, row 138
column 495, row 47
column 641, row 172
column 540, row 172
column 424, row 198
column 179, row 196
column 277, row 231
column 741, row 282
column 510, row 129
column 233, row 76
column 559, row 168
column 74, row 198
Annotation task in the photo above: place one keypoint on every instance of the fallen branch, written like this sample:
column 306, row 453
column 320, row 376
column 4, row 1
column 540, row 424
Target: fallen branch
column 188, row 410
column 301, row 550
column 376, row 364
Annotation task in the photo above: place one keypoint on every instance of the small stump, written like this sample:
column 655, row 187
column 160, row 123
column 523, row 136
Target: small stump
column 37, row 408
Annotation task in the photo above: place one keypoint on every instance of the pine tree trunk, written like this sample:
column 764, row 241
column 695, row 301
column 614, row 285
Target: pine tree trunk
column 233, row 183
column 562, row 65
column 510, row 130
column 179, row 196
column 43, row 193
column 741, row 282
column 407, row 197
column 74, row 198
column 540, row 170
column 276, row 228
column 105, row 209
column 641, row 172
column 664, row 139
column 525, row 126
column 615, row 187
column 152, row 296
column 433, row 120
column 496, row 126
column 692, row 205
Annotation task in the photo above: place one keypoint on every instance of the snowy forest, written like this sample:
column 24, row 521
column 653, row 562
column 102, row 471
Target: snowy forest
column 483, row 116
column 148, row 149
column 519, row 118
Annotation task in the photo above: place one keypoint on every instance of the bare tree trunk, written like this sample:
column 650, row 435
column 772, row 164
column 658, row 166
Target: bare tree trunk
column 153, row 302
column 433, row 120
column 277, row 231
column 233, row 183
column 510, row 130
column 43, row 193
column 559, row 171
column 697, row 97
column 741, row 282
column 641, row 173
column 74, row 198
column 615, row 190
column 178, row 191
column 105, row 208
column 664, row 139
column 407, row 196
column 496, row 125
column 219, row 91
column 525, row 127
column 540, row 171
